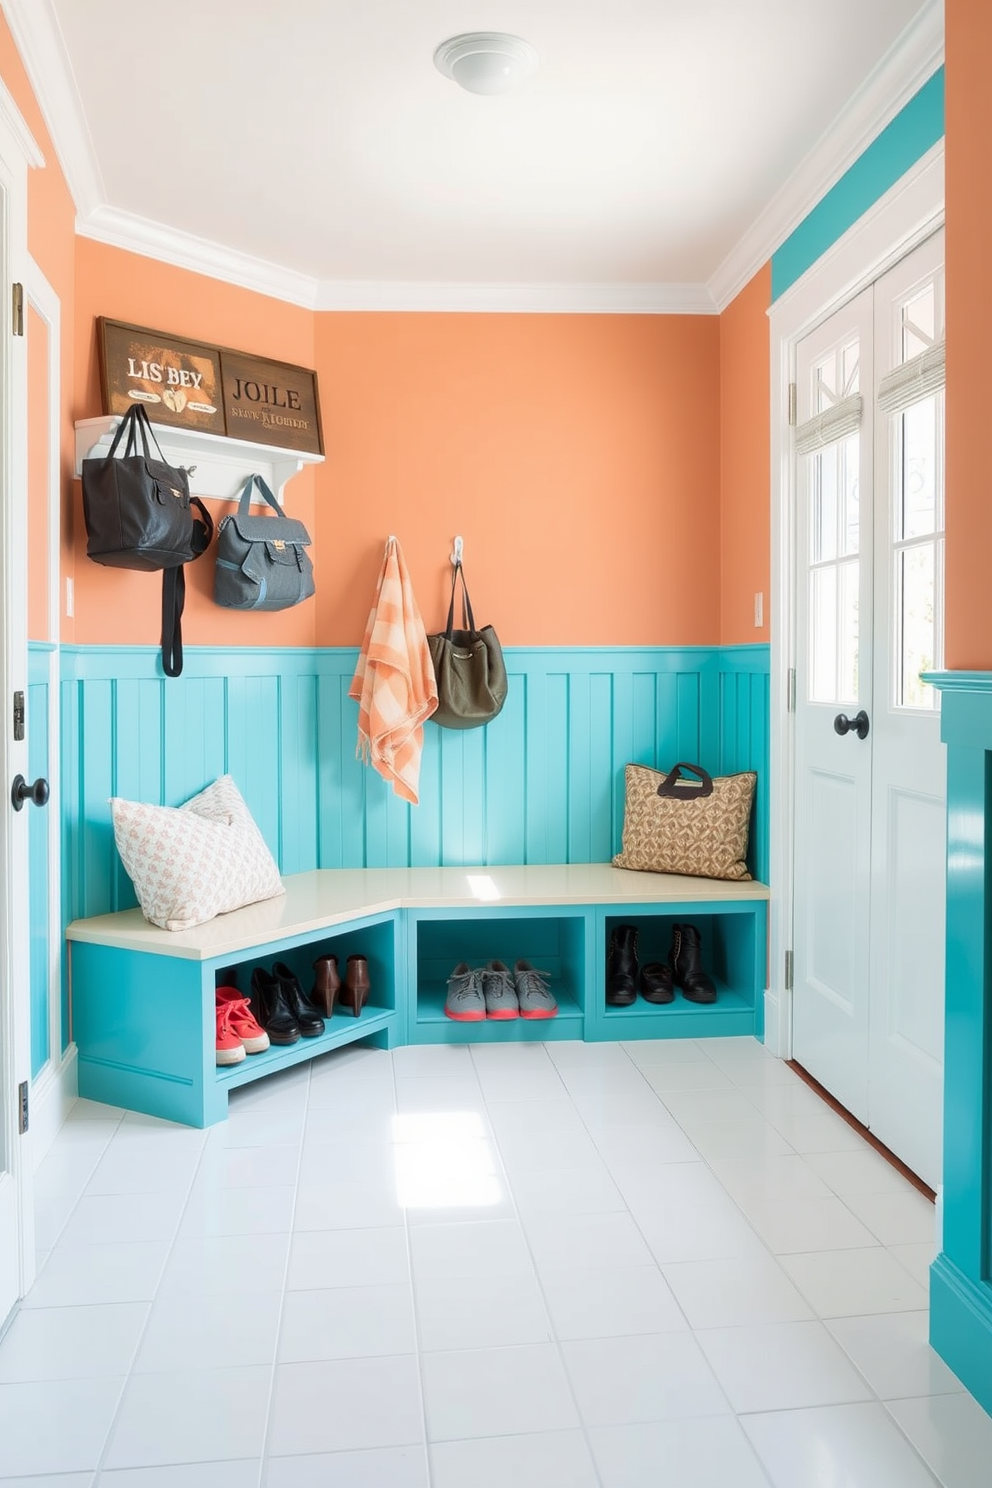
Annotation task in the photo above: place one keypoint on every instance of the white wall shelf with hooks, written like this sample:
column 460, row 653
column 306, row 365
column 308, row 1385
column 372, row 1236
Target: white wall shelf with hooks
column 222, row 464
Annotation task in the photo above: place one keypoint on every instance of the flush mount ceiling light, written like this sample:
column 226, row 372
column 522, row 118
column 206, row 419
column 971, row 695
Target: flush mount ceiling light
column 486, row 61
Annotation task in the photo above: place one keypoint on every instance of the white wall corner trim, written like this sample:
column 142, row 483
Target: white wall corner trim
column 899, row 75
column 13, row 120
column 561, row 299
column 36, row 31
column 53, row 1095
column 120, row 229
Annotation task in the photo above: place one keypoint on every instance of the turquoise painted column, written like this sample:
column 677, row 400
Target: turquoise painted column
column 960, row 1285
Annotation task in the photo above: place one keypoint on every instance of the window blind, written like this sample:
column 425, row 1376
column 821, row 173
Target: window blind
column 830, row 426
column 919, row 378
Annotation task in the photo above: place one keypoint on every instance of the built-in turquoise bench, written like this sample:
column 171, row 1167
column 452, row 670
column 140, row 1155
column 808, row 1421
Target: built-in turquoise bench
column 142, row 999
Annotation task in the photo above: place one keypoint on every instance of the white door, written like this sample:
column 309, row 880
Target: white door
column 870, row 790
column 15, row 1237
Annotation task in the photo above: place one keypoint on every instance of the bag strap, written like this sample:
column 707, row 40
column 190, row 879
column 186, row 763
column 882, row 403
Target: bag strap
column 203, row 531
column 140, row 436
column 674, row 785
column 244, row 504
column 173, row 603
column 468, row 619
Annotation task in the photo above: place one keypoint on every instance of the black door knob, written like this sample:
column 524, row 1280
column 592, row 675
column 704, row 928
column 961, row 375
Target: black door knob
column 20, row 792
column 858, row 724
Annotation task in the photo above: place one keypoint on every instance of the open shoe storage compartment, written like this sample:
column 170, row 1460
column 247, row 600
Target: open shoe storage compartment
column 733, row 953
column 145, row 1028
column 554, row 941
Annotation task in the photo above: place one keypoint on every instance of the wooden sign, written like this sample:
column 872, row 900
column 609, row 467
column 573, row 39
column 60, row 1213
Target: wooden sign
column 270, row 402
column 178, row 381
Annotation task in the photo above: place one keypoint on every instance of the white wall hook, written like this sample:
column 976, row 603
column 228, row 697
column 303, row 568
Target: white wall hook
column 456, row 552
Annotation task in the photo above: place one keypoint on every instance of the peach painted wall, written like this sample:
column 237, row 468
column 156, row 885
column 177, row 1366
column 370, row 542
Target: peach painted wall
column 114, row 605
column 745, row 469
column 969, row 331
column 51, row 243
column 578, row 456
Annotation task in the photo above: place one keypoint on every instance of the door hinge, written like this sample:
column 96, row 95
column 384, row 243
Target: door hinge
column 788, row 971
column 790, row 701
column 18, row 717
column 17, row 309
column 793, row 397
column 22, row 1107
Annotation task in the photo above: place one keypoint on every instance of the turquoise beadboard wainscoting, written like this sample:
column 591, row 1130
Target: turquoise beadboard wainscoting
column 961, row 1276
column 543, row 783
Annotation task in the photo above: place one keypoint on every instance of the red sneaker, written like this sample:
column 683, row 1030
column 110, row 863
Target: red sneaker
column 230, row 1049
column 241, row 1021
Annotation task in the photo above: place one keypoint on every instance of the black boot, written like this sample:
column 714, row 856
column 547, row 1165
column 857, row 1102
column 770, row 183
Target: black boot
column 302, row 1009
column 271, row 1008
column 621, row 966
column 686, row 970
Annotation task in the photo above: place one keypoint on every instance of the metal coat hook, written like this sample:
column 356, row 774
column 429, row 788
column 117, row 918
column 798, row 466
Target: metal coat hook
column 456, row 552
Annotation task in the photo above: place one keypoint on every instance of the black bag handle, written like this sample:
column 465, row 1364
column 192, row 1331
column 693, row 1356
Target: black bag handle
column 140, row 435
column 674, row 785
column 468, row 619
column 244, row 505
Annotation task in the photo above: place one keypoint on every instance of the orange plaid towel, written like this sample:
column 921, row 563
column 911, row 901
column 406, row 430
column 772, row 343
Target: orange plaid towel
column 394, row 680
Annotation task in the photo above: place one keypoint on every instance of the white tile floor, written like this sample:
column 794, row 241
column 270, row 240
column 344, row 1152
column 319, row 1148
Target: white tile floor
column 657, row 1265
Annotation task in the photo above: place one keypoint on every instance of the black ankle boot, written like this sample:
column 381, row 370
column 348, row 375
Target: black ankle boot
column 302, row 1009
column 686, row 970
column 271, row 1008
column 621, row 966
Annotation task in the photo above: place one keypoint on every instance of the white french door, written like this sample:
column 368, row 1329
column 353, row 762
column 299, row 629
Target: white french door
column 869, row 768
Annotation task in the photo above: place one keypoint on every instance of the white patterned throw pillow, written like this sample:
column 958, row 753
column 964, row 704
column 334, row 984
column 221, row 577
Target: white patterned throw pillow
column 189, row 863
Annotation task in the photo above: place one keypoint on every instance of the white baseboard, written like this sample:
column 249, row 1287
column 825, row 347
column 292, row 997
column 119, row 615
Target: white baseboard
column 52, row 1097
column 778, row 1023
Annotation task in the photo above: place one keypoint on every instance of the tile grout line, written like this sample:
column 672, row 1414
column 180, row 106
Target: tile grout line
column 109, row 1437
column 422, row 1393
column 263, row 1457
column 556, row 1342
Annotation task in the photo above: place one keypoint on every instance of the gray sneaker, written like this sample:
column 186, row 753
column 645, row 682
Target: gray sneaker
column 497, row 986
column 465, row 1002
column 532, row 992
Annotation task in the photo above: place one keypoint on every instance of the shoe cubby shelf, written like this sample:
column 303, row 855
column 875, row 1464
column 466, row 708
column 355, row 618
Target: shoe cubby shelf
column 142, row 999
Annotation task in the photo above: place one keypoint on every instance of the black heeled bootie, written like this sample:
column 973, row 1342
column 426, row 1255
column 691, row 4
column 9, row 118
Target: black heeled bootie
column 271, row 1008
column 302, row 1009
column 685, row 963
column 621, row 966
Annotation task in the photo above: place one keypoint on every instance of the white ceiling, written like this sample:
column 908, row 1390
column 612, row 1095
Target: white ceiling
column 660, row 150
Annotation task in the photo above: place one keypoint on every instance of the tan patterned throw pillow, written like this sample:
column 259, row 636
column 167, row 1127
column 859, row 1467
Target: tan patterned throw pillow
column 704, row 835
column 189, row 863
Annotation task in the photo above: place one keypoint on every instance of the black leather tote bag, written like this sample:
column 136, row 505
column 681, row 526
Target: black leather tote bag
column 139, row 514
column 468, row 667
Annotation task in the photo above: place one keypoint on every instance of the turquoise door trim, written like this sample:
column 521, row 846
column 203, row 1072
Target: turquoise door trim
column 960, row 1286
column 543, row 783
column 915, row 129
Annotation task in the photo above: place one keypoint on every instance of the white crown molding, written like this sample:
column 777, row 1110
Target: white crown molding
column 528, row 299
column 13, row 120
column 900, row 74
column 120, row 229
column 36, row 33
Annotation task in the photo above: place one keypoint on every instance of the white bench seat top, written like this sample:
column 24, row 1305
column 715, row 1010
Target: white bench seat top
column 321, row 899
